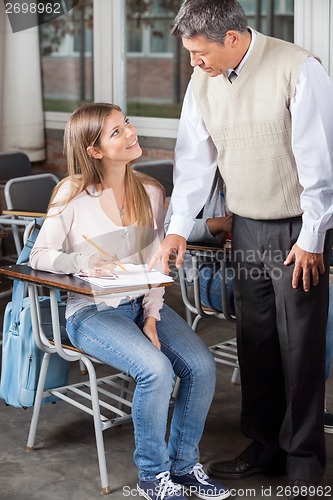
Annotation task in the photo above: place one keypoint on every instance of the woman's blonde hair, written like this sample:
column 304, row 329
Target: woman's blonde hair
column 83, row 129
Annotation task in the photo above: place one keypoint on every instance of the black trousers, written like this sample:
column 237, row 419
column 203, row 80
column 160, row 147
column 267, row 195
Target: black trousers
column 281, row 346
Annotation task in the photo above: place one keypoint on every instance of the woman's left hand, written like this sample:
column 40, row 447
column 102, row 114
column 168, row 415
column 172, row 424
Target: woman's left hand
column 150, row 331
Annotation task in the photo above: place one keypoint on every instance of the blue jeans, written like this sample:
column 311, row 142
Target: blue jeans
column 114, row 335
column 210, row 287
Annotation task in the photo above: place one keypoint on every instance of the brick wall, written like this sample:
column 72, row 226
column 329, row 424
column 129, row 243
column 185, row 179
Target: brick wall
column 61, row 77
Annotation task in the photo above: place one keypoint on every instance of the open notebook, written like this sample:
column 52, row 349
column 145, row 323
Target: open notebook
column 135, row 274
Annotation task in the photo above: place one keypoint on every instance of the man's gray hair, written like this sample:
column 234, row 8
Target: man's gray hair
column 209, row 18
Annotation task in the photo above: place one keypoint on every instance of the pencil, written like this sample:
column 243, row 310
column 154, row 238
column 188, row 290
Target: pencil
column 100, row 249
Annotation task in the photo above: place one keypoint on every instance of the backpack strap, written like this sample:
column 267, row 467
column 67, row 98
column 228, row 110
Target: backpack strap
column 19, row 286
column 25, row 253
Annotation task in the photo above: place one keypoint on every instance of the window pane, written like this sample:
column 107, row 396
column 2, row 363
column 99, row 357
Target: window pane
column 134, row 36
column 160, row 39
column 67, row 60
column 271, row 17
column 158, row 68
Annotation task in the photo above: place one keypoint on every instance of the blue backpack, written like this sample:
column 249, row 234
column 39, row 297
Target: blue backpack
column 21, row 358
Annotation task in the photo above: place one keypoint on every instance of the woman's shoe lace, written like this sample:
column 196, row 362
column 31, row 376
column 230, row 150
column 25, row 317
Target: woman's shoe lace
column 200, row 474
column 167, row 487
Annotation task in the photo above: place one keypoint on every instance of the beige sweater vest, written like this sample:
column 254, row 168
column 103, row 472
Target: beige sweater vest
column 250, row 124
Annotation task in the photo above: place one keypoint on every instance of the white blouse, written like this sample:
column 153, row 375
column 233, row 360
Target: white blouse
column 61, row 248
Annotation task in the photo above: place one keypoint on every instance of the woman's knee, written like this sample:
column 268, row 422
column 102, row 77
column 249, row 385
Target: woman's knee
column 199, row 366
column 205, row 368
column 157, row 372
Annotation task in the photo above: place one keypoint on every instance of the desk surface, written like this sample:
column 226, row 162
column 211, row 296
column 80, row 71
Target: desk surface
column 209, row 250
column 23, row 213
column 66, row 282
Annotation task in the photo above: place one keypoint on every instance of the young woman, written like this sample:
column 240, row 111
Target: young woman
column 123, row 212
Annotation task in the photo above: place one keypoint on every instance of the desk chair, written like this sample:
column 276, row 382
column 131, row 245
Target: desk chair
column 162, row 170
column 5, row 293
column 196, row 255
column 13, row 164
column 26, row 197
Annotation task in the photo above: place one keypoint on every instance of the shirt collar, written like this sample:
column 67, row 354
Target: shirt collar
column 238, row 69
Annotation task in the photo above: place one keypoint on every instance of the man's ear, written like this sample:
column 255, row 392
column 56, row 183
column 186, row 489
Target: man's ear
column 94, row 152
column 232, row 38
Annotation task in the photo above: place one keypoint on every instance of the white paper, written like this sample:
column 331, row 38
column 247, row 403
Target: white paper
column 133, row 276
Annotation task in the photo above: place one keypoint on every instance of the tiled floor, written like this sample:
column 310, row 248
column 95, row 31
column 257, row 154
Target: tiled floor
column 64, row 463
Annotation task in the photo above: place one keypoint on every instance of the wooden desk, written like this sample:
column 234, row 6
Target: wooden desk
column 20, row 213
column 68, row 283
column 16, row 220
column 205, row 247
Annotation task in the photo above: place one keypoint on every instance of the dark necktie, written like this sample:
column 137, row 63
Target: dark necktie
column 232, row 77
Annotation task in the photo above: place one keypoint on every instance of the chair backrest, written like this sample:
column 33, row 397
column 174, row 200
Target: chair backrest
column 30, row 193
column 162, row 170
column 14, row 164
column 195, row 258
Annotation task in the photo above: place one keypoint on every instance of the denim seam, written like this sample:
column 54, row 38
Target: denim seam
column 179, row 448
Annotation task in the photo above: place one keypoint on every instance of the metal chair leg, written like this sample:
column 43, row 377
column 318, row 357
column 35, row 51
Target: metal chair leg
column 105, row 489
column 38, row 401
column 83, row 369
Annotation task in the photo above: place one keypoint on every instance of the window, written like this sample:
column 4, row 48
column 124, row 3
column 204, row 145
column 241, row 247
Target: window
column 67, row 58
column 271, row 17
column 130, row 58
column 157, row 68
column 149, row 38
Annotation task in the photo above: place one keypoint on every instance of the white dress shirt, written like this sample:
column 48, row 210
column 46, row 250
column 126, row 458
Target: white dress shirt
column 312, row 143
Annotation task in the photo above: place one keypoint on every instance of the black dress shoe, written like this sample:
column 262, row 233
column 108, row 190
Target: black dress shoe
column 233, row 469
column 298, row 497
column 301, row 490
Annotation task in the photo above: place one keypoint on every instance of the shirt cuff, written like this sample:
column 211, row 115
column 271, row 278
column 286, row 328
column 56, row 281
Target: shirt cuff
column 152, row 308
column 180, row 225
column 84, row 261
column 310, row 241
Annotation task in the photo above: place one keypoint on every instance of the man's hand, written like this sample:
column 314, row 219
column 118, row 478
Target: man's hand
column 307, row 264
column 172, row 244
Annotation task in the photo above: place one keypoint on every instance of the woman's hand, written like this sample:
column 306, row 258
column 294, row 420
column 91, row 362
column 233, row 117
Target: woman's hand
column 150, row 331
column 102, row 265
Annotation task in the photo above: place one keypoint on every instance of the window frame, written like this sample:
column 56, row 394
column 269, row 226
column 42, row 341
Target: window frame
column 310, row 18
